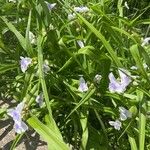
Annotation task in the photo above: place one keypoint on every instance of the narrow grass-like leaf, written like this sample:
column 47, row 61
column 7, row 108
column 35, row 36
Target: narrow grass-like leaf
column 124, row 32
column 85, row 98
column 135, row 53
column 104, row 41
column 28, row 43
column 7, row 67
column 49, row 134
column 12, row 28
column 132, row 142
column 84, row 125
column 142, row 120
column 43, row 83
column 18, row 137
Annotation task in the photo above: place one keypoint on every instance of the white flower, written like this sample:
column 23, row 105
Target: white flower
column 32, row 38
column 126, row 5
column 124, row 113
column 81, row 9
column 46, row 68
column 71, row 16
column 97, row 78
column 82, row 85
column 145, row 41
column 80, row 43
column 50, row 6
column 133, row 68
column 14, row 1
column 25, row 62
column 116, row 124
column 39, row 99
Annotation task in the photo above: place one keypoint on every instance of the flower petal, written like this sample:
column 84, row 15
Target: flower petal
column 25, row 62
column 82, row 85
column 20, row 127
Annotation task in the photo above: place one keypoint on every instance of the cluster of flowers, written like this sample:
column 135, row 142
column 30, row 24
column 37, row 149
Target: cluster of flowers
column 115, row 86
column 124, row 114
column 16, row 114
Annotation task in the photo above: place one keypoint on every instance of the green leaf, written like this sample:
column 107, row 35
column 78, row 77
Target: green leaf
column 136, row 55
column 142, row 119
column 12, row 28
column 7, row 67
column 104, row 41
column 48, row 134
column 85, row 98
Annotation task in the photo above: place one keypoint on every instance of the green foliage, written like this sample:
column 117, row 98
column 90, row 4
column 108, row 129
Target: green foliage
column 69, row 118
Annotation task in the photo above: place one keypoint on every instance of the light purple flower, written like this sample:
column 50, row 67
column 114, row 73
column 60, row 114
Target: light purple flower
column 119, row 86
column 20, row 127
column 124, row 113
column 116, row 124
column 81, row 9
column 39, row 99
column 80, row 43
column 50, row 6
column 25, row 62
column 82, row 85
column 15, row 113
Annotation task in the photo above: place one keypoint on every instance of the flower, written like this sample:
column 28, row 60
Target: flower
column 82, row 86
column 15, row 113
column 80, row 43
column 97, row 78
column 14, row 1
column 20, row 127
column 135, row 68
column 39, row 99
column 115, row 85
column 46, row 68
column 25, row 62
column 116, row 124
column 32, row 38
column 81, row 9
column 126, row 5
column 50, row 6
column 124, row 113
column 145, row 41
column 71, row 16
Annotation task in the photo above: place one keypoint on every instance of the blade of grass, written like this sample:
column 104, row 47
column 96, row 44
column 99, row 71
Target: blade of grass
column 132, row 142
column 104, row 41
column 49, row 135
column 142, row 119
column 135, row 53
column 84, row 99
column 28, row 43
column 12, row 28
